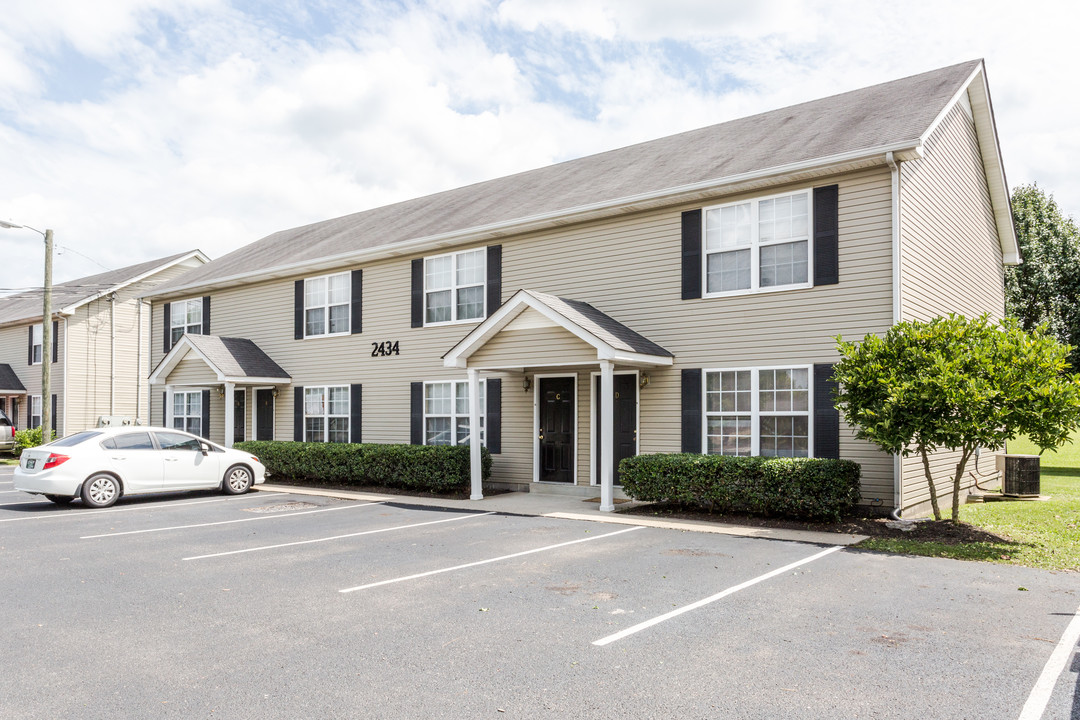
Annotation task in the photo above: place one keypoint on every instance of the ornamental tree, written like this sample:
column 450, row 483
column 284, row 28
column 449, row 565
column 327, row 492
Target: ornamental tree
column 957, row 384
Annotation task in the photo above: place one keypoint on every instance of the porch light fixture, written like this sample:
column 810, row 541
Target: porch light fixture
column 273, row 392
column 644, row 381
column 526, row 383
column 221, row 392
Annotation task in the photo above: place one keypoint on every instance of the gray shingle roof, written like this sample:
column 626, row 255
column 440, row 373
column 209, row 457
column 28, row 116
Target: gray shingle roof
column 27, row 305
column 603, row 326
column 862, row 120
column 237, row 357
column 9, row 381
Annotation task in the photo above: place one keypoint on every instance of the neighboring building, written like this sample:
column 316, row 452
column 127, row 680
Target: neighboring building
column 100, row 349
column 702, row 277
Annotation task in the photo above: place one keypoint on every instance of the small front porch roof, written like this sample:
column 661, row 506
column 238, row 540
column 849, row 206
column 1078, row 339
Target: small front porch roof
column 232, row 360
column 9, row 382
column 611, row 340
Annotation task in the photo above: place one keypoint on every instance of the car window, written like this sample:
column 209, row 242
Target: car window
column 134, row 441
column 75, row 439
column 176, row 441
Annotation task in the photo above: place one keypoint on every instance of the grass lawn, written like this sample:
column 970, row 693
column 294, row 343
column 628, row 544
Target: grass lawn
column 1043, row 534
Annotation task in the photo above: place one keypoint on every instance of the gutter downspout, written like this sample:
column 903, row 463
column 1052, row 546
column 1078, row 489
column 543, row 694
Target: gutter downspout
column 64, row 414
column 112, row 354
column 894, row 172
column 138, row 363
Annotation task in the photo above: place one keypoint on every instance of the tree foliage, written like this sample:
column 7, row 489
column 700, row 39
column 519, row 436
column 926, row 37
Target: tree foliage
column 958, row 384
column 1045, row 288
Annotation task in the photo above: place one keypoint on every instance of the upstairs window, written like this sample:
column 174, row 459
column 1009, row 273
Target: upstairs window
column 186, row 316
column 455, row 287
column 326, row 305
column 446, row 413
column 326, row 414
column 35, row 348
column 758, row 411
column 758, row 244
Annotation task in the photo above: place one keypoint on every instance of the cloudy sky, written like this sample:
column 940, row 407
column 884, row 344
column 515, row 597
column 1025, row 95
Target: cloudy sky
column 138, row 128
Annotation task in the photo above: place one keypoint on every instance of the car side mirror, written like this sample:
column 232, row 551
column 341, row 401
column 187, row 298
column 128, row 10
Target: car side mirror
column 204, row 448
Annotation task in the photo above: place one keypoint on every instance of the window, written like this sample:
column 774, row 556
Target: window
column 35, row 351
column 446, row 413
column 187, row 412
column 454, row 286
column 758, row 244
column 326, row 305
column 326, row 414
column 35, row 411
column 185, row 317
column 758, row 411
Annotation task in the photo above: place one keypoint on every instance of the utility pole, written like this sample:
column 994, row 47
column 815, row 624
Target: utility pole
column 46, row 342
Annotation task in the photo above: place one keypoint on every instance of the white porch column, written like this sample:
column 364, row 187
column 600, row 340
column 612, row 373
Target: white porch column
column 607, row 433
column 474, row 436
column 168, row 406
column 230, row 412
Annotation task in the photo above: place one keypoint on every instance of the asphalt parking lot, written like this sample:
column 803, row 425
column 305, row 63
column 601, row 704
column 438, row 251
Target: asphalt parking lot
column 282, row 606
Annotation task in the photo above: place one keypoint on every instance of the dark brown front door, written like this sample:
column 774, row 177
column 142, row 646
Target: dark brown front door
column 556, row 397
column 239, row 404
column 625, row 430
column 264, row 414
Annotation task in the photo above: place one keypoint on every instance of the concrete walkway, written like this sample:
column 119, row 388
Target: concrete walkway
column 573, row 508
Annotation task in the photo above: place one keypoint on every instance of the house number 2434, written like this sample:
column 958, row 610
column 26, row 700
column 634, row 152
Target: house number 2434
column 385, row 349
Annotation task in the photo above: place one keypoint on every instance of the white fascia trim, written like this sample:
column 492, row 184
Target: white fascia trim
column 635, row 359
column 245, row 380
column 120, row 286
column 906, row 150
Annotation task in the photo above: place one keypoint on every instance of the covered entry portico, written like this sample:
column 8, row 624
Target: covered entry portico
column 543, row 336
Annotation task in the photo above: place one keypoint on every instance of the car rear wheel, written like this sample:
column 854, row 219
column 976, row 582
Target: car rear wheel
column 238, row 480
column 100, row 491
column 59, row 499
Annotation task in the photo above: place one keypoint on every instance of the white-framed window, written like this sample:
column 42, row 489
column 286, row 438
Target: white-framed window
column 446, row 413
column 758, row 411
column 759, row 244
column 327, row 301
column 35, row 351
column 185, row 316
column 455, row 286
column 35, row 411
column 326, row 414
column 187, row 411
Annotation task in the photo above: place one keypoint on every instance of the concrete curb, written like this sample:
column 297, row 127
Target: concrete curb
column 564, row 508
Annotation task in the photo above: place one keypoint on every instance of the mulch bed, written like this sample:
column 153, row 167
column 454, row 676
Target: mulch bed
column 923, row 530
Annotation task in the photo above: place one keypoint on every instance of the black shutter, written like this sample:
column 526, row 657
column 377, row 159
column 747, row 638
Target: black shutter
column 418, row 293
column 826, row 416
column 493, row 421
column 356, row 412
column 29, row 412
column 164, row 408
column 357, row 314
column 206, row 315
column 166, row 313
column 206, row 414
column 691, row 410
column 494, row 278
column 298, row 310
column 826, row 235
column 52, row 415
column 298, row 414
column 55, row 341
column 30, row 348
column 416, row 413
column 691, row 254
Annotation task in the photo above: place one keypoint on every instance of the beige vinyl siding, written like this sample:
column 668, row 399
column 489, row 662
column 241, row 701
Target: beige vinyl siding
column 951, row 262
column 627, row 267
column 13, row 351
column 192, row 370
column 533, row 347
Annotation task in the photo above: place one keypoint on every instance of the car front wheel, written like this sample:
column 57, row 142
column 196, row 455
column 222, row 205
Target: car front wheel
column 238, row 480
column 100, row 491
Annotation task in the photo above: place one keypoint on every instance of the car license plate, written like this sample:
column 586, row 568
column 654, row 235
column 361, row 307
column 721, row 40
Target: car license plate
column 30, row 462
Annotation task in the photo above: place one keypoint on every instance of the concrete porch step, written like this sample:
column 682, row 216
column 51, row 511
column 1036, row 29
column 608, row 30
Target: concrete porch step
column 581, row 491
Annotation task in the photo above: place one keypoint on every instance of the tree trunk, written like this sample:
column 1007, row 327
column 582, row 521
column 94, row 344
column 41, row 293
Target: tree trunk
column 930, row 482
column 965, row 455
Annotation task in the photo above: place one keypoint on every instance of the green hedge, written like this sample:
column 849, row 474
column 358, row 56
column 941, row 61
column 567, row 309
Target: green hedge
column 435, row 468
column 809, row 489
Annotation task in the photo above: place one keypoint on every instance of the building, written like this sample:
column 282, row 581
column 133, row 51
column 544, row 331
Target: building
column 100, row 349
column 680, row 294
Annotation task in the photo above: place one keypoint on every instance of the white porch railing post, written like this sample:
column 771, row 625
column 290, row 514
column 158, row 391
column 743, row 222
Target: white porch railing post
column 168, row 406
column 607, row 432
column 230, row 413
column 474, row 436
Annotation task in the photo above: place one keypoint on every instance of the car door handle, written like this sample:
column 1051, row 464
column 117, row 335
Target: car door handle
column 122, row 457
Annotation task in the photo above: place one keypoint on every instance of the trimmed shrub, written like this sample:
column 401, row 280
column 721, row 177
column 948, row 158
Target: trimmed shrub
column 801, row 488
column 435, row 468
column 28, row 438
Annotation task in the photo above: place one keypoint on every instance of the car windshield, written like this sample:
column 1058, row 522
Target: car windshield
column 75, row 439
column 4, row 420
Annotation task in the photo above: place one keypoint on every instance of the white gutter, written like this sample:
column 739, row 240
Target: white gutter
column 112, row 353
column 64, row 415
column 898, row 309
column 872, row 156
column 138, row 363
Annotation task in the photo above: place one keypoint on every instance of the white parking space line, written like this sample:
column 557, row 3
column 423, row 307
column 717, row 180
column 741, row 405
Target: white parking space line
column 712, row 598
column 23, row 502
column 77, row 513
column 277, row 516
column 1044, row 686
column 336, row 537
column 489, row 560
